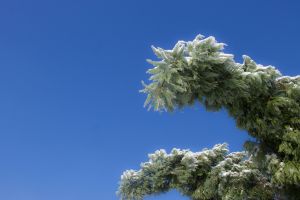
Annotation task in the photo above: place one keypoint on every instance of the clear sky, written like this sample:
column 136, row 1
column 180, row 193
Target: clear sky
column 71, row 117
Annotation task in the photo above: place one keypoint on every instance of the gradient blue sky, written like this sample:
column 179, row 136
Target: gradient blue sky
column 71, row 117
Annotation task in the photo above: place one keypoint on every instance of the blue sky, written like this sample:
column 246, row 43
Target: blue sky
column 71, row 117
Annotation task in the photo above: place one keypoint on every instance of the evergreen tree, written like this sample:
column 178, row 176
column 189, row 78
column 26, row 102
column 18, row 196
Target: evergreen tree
column 262, row 102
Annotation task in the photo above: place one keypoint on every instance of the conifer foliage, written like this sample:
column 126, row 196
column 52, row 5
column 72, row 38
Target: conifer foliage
column 262, row 102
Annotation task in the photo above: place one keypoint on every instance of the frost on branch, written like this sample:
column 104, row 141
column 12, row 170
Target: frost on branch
column 208, row 174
